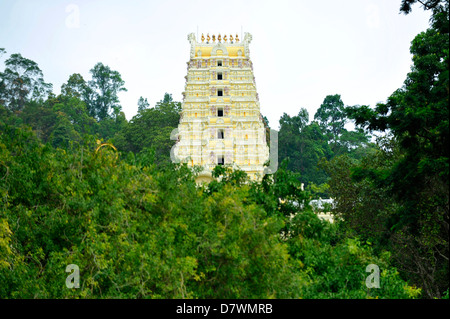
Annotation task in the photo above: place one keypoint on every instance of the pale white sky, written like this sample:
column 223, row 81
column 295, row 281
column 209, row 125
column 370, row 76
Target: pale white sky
column 302, row 50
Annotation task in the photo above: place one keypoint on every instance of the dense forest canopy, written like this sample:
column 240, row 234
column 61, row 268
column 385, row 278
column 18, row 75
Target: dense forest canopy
column 80, row 184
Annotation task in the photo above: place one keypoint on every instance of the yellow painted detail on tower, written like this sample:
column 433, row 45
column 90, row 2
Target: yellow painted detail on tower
column 232, row 51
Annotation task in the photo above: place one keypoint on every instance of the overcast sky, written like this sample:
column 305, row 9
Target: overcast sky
column 302, row 51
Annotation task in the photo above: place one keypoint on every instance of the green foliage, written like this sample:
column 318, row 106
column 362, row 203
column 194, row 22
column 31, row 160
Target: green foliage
column 140, row 231
column 434, row 5
column 100, row 100
column 152, row 128
column 338, row 271
column 331, row 118
column 142, row 104
column 133, row 230
column 307, row 144
column 416, row 177
column 360, row 205
column 76, row 86
column 83, row 108
column 102, row 92
column 304, row 145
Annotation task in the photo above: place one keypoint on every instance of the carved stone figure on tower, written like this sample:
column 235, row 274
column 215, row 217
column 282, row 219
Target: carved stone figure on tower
column 247, row 39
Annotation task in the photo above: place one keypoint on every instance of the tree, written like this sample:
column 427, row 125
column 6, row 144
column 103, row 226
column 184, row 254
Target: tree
column 151, row 128
column 111, row 127
column 100, row 99
column 137, row 230
column 63, row 132
column 304, row 145
column 434, row 5
column 62, row 118
column 417, row 115
column 101, row 95
column 142, row 104
column 117, row 220
column 331, row 118
column 355, row 144
column 75, row 110
column 289, row 139
column 359, row 205
column 20, row 82
column 313, row 145
column 77, row 87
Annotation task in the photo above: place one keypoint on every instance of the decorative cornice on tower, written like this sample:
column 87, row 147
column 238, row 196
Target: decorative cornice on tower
column 230, row 46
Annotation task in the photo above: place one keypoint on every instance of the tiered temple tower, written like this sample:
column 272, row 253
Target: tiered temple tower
column 220, row 120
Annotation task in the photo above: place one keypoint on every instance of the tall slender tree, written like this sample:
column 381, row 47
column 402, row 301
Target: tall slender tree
column 331, row 118
column 103, row 91
column 21, row 81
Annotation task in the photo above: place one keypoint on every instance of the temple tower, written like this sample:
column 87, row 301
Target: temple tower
column 220, row 121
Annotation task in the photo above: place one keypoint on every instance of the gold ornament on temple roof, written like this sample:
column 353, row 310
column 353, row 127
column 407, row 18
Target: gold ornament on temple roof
column 208, row 37
column 219, row 38
column 237, row 38
column 203, row 37
column 225, row 38
column 214, row 38
column 231, row 38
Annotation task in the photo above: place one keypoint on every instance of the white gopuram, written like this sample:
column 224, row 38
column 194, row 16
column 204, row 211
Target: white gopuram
column 220, row 121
